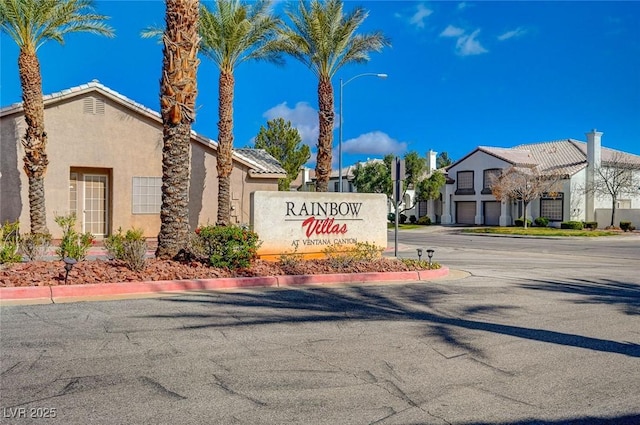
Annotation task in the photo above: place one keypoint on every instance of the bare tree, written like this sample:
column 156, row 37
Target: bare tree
column 524, row 184
column 616, row 177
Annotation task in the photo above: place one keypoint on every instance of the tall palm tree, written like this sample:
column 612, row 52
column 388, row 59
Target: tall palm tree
column 324, row 38
column 31, row 23
column 178, row 90
column 232, row 33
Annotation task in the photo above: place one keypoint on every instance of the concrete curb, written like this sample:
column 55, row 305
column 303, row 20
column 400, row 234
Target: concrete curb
column 62, row 292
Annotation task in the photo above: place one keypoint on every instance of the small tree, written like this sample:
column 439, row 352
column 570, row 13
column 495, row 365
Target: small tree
column 429, row 188
column 617, row 177
column 443, row 160
column 524, row 184
column 283, row 142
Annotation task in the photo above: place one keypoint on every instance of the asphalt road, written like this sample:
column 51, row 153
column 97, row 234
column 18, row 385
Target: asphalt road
column 534, row 331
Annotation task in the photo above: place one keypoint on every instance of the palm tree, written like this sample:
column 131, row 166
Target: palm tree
column 31, row 23
column 233, row 33
column 325, row 39
column 178, row 90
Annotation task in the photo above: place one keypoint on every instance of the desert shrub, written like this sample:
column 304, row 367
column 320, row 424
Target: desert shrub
column 230, row 247
column 9, row 243
column 541, row 221
column 412, row 219
column 131, row 248
column 626, row 226
column 519, row 222
column 575, row 225
column 35, row 246
column 591, row 225
column 73, row 244
column 340, row 257
column 424, row 220
column 420, row 264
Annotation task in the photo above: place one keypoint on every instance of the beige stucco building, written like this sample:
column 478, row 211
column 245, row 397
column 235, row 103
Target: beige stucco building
column 105, row 164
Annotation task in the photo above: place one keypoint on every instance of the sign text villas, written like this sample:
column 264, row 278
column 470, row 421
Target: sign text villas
column 319, row 218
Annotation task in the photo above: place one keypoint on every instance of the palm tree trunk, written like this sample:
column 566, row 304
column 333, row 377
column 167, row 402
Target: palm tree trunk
column 35, row 139
column 224, row 163
column 325, row 138
column 177, row 100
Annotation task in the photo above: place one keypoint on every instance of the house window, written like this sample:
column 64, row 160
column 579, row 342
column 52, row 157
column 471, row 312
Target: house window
column 551, row 206
column 336, row 187
column 488, row 178
column 147, row 195
column 465, row 183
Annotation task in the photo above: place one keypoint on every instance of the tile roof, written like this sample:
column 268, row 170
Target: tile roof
column 265, row 163
column 520, row 157
column 262, row 161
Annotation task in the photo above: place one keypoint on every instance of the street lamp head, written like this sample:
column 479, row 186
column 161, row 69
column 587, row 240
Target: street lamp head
column 381, row 75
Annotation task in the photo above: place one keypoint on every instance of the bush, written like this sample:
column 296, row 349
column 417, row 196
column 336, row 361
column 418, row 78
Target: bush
column 402, row 219
column 626, row 226
column 9, row 243
column 130, row 248
column 35, row 246
column 424, row 220
column 420, row 264
column 520, row 222
column 541, row 221
column 73, row 244
column 230, row 247
column 591, row 225
column 412, row 219
column 575, row 225
column 340, row 257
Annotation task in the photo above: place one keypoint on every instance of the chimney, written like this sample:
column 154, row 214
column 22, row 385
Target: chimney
column 594, row 160
column 432, row 160
column 594, row 155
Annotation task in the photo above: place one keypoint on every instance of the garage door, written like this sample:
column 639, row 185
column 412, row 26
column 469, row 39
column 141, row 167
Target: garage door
column 466, row 212
column 492, row 213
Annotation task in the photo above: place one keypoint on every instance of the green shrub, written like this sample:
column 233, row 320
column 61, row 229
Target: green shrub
column 9, row 243
column 35, row 246
column 626, row 226
column 591, row 225
column 541, row 221
column 340, row 257
column 424, row 220
column 519, row 222
column 412, row 219
column 131, row 248
column 230, row 247
column 73, row 244
column 575, row 225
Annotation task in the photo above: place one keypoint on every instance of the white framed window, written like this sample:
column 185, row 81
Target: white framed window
column 147, row 195
column 551, row 206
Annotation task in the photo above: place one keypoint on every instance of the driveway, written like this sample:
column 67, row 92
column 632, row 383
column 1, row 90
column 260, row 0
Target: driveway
column 526, row 331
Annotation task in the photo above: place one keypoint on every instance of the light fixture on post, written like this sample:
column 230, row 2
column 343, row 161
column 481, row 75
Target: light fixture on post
column 371, row 74
column 68, row 265
column 419, row 253
column 430, row 255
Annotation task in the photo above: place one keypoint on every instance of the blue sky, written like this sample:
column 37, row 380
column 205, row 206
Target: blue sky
column 460, row 74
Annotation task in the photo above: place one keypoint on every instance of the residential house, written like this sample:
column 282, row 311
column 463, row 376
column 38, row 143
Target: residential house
column 468, row 199
column 105, row 164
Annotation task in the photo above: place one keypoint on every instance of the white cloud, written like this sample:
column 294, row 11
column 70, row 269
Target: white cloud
column 451, row 31
column 303, row 117
column 467, row 45
column 374, row 143
column 462, row 6
column 420, row 15
column 513, row 33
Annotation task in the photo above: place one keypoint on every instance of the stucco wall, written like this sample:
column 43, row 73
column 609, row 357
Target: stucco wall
column 122, row 144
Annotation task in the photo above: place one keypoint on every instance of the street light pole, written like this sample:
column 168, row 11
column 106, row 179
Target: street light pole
column 371, row 74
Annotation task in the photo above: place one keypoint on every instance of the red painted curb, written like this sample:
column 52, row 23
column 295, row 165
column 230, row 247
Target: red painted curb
column 25, row 292
column 124, row 288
